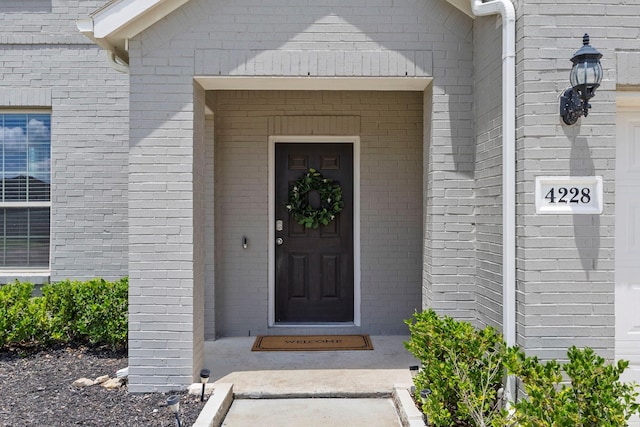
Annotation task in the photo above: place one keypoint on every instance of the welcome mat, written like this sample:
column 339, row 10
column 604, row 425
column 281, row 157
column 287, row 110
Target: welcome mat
column 311, row 342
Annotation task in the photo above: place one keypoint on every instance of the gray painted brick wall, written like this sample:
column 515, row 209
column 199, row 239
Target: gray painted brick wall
column 165, row 227
column 46, row 63
column 628, row 68
column 566, row 263
column 487, row 64
column 340, row 39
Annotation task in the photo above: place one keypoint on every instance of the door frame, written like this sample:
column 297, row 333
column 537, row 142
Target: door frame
column 315, row 139
column 626, row 102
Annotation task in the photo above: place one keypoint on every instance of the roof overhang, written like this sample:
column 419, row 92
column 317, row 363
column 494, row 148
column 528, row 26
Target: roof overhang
column 111, row 26
column 464, row 6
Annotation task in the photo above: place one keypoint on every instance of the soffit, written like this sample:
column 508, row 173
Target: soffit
column 463, row 5
column 119, row 20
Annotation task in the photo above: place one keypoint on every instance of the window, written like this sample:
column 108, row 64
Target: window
column 25, row 182
column 25, row 6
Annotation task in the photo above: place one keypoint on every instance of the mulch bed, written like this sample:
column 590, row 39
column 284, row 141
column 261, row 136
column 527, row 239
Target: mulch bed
column 36, row 390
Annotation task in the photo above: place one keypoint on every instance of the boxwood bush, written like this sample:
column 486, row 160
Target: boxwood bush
column 91, row 312
column 463, row 368
column 22, row 318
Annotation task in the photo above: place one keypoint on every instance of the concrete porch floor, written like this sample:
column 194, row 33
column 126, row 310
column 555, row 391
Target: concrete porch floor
column 294, row 383
column 232, row 361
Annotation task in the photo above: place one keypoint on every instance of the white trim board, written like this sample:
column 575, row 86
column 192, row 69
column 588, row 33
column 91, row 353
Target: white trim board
column 414, row 84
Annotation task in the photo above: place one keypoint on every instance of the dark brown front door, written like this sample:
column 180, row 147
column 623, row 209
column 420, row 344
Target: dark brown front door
column 314, row 267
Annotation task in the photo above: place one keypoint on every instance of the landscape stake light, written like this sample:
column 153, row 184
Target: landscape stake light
column 424, row 395
column 204, row 378
column 413, row 370
column 173, row 402
column 585, row 78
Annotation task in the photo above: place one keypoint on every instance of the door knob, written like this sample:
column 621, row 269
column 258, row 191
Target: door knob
column 279, row 241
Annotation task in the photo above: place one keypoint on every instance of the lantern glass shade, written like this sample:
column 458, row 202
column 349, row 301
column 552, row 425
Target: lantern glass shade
column 586, row 73
column 586, row 76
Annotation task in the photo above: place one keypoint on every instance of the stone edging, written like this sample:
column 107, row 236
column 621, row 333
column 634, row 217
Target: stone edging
column 409, row 415
column 216, row 407
column 218, row 404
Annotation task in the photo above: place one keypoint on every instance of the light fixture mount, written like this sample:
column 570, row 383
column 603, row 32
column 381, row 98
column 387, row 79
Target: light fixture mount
column 585, row 78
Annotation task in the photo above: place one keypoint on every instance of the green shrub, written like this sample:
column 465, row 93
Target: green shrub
column 93, row 312
column 461, row 366
column 103, row 318
column 61, row 309
column 595, row 396
column 15, row 299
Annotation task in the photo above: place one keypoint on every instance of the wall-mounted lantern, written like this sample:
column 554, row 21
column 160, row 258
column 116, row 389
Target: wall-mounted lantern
column 585, row 77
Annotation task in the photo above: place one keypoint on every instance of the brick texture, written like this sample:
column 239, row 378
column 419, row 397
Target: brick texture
column 566, row 263
column 350, row 39
column 46, row 63
column 488, row 170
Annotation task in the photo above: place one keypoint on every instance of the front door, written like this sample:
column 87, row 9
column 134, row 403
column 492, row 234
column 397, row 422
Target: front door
column 314, row 266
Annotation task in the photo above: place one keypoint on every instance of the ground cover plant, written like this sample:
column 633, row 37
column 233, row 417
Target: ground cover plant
column 463, row 369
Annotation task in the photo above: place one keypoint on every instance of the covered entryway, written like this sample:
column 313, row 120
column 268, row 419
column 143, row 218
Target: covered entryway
column 360, row 273
column 211, row 83
column 627, row 247
column 314, row 265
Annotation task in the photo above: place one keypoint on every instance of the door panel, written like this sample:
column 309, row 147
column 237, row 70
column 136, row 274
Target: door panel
column 627, row 246
column 314, row 267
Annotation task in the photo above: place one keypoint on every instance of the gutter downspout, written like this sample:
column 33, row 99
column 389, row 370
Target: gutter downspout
column 117, row 65
column 85, row 26
column 506, row 10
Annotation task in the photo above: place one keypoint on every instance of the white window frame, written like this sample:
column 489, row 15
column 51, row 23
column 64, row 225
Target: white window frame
column 28, row 271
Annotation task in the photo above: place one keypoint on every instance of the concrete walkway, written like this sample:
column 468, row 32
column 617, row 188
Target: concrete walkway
column 312, row 413
column 311, row 388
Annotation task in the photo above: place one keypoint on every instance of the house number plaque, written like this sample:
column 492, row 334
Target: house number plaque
column 568, row 194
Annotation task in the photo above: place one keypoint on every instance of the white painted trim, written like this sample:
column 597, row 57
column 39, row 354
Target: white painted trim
column 127, row 18
column 628, row 99
column 357, row 293
column 29, row 110
column 25, row 273
column 506, row 10
column 25, row 204
column 418, row 84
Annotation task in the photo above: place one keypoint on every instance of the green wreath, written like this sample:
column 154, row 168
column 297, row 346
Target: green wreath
column 331, row 202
